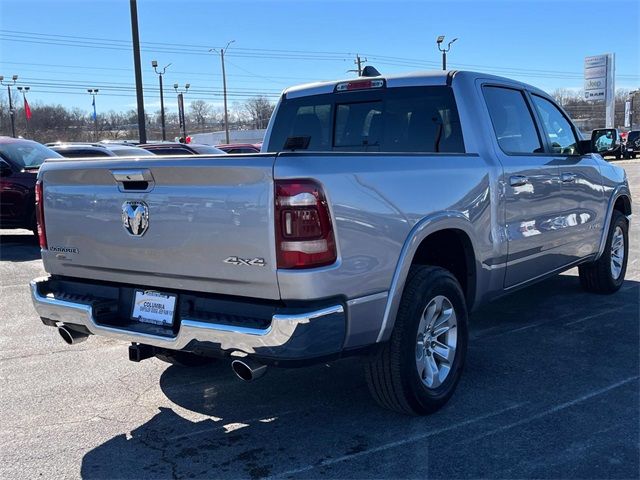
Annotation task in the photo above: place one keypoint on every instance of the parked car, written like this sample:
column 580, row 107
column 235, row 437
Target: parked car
column 240, row 147
column 632, row 146
column 608, row 142
column 19, row 163
column 169, row 148
column 388, row 208
column 78, row 150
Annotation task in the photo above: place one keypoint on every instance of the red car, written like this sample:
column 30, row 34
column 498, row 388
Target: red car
column 240, row 147
column 19, row 163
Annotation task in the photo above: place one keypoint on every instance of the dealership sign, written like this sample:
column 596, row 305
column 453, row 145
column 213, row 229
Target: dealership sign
column 595, row 77
column 599, row 82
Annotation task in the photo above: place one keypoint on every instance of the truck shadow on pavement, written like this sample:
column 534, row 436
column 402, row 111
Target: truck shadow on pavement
column 18, row 247
column 538, row 399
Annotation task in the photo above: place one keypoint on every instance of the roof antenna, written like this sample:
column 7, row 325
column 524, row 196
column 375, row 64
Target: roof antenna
column 370, row 71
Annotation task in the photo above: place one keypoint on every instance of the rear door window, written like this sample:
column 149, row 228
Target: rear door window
column 404, row 119
column 512, row 121
column 559, row 132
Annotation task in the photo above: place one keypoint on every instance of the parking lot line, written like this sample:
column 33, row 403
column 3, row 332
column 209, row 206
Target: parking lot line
column 555, row 409
column 595, row 315
column 396, row 444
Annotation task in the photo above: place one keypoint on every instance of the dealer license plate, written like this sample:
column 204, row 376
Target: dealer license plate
column 154, row 307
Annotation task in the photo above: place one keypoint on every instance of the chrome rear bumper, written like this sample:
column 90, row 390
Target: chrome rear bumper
column 289, row 336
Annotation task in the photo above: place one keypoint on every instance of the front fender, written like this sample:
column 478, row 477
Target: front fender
column 447, row 220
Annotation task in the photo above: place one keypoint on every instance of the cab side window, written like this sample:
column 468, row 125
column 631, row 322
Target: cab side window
column 512, row 121
column 558, row 129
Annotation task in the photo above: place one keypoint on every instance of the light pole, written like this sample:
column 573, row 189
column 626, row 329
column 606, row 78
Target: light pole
column 154, row 64
column 14, row 79
column 181, row 117
column 93, row 92
column 222, row 51
column 27, row 110
column 444, row 50
column 137, row 66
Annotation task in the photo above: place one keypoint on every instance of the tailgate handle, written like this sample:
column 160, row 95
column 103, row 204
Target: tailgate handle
column 133, row 179
column 139, row 175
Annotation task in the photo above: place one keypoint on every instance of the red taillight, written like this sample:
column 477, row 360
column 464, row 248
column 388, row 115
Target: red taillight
column 304, row 233
column 42, row 234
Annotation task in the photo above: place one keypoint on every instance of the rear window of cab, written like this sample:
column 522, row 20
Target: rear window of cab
column 400, row 120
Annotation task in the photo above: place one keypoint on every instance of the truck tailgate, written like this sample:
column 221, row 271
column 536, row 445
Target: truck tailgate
column 203, row 224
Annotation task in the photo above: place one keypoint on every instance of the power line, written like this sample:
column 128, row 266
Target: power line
column 273, row 54
column 86, row 67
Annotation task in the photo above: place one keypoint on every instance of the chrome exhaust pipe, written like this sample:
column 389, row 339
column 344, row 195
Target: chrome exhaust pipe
column 70, row 336
column 248, row 370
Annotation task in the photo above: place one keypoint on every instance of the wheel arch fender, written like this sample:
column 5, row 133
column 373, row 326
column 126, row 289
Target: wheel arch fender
column 438, row 222
column 621, row 192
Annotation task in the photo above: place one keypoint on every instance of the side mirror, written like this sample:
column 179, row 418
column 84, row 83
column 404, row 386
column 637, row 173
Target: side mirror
column 604, row 140
column 5, row 169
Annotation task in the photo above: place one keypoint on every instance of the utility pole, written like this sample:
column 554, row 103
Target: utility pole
column 11, row 112
column 27, row 115
column 142, row 131
column 154, row 64
column 93, row 92
column 358, row 62
column 181, row 117
column 222, row 51
column 444, row 50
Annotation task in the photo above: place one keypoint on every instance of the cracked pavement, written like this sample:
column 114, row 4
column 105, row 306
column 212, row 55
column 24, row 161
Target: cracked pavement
column 550, row 391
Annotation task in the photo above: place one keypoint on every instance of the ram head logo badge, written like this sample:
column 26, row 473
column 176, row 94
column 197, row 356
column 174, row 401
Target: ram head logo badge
column 135, row 217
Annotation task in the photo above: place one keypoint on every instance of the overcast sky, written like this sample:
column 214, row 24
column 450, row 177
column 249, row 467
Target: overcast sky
column 60, row 47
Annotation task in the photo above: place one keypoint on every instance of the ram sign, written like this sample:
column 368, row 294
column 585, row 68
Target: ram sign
column 599, row 82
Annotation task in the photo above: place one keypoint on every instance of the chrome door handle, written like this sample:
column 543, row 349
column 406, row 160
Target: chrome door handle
column 518, row 180
column 568, row 177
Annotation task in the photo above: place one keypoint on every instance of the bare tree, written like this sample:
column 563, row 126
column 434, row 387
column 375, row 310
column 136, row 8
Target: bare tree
column 259, row 110
column 562, row 95
column 200, row 112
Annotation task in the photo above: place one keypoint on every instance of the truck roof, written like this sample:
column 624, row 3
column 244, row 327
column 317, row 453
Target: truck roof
column 411, row 79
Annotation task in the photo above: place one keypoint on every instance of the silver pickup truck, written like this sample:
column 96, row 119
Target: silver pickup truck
column 381, row 211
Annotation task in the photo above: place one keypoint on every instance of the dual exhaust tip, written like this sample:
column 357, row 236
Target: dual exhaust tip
column 246, row 369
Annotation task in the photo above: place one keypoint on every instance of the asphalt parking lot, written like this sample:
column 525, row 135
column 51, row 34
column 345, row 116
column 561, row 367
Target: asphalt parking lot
column 551, row 390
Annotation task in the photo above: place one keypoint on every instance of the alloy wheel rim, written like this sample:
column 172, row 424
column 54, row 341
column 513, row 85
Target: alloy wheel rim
column 617, row 253
column 436, row 341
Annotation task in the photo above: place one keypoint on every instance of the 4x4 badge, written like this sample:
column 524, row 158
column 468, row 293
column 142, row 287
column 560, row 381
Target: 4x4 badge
column 249, row 262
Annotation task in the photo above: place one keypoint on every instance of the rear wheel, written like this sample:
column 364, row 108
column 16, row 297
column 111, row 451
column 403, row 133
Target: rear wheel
column 184, row 359
column 417, row 371
column 606, row 274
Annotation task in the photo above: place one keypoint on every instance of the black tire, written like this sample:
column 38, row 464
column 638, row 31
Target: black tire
column 392, row 372
column 597, row 277
column 184, row 359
